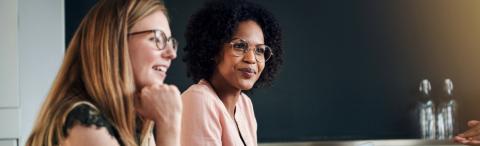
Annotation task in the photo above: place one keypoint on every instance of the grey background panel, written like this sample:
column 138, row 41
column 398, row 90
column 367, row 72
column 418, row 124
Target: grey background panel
column 8, row 142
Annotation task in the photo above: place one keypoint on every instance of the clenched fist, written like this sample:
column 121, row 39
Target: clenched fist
column 161, row 103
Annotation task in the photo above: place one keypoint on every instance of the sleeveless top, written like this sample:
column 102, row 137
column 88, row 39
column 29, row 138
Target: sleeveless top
column 86, row 114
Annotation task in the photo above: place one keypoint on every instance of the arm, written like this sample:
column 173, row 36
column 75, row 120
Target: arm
column 168, row 131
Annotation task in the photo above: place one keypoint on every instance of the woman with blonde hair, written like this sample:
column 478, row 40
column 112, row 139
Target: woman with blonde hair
column 109, row 90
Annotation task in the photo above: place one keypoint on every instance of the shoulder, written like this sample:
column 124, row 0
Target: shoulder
column 200, row 98
column 84, row 113
column 198, row 89
column 199, row 93
column 80, row 135
column 86, row 125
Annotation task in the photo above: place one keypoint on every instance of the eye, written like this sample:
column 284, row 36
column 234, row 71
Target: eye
column 239, row 45
column 152, row 39
column 260, row 50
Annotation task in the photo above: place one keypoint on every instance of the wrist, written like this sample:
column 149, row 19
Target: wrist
column 168, row 133
column 167, row 123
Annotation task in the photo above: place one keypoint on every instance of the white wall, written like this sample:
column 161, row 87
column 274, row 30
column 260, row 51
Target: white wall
column 9, row 87
column 41, row 47
column 8, row 54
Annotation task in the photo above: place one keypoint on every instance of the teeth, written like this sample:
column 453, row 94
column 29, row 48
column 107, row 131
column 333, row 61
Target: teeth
column 159, row 68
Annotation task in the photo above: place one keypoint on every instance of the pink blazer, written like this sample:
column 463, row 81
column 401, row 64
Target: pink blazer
column 206, row 121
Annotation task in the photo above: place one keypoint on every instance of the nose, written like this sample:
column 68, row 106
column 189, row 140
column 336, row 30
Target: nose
column 169, row 52
column 249, row 57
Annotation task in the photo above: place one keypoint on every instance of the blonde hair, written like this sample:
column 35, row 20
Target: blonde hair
column 97, row 69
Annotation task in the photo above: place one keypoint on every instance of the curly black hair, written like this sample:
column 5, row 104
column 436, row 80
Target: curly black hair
column 215, row 24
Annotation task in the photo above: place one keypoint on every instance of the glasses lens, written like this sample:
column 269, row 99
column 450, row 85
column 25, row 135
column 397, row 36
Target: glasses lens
column 267, row 53
column 262, row 52
column 160, row 39
column 239, row 47
column 174, row 43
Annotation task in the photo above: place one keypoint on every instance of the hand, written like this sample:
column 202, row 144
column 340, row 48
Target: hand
column 471, row 136
column 161, row 103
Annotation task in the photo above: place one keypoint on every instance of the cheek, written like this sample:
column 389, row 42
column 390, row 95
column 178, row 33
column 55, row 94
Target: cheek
column 135, row 57
column 224, row 68
column 228, row 65
column 147, row 57
column 141, row 57
column 261, row 67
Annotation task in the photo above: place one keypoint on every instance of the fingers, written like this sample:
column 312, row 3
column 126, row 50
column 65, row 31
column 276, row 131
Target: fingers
column 469, row 142
column 471, row 136
column 169, row 88
column 475, row 131
column 459, row 139
column 175, row 89
column 474, row 142
column 473, row 123
column 158, row 100
column 462, row 140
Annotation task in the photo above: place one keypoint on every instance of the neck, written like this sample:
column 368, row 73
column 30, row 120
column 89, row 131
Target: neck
column 227, row 93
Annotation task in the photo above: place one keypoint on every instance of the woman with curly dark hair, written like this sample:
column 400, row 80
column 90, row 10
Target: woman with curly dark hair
column 232, row 47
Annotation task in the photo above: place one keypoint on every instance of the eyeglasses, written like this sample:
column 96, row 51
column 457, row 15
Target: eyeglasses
column 240, row 47
column 161, row 40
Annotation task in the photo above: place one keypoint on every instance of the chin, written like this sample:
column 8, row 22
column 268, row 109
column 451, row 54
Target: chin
column 246, row 85
column 159, row 81
column 155, row 81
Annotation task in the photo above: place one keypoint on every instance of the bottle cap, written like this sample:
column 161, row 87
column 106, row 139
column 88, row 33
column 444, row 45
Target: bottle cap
column 425, row 87
column 448, row 86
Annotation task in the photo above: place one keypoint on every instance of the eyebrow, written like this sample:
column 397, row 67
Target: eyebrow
column 140, row 32
column 235, row 38
column 148, row 30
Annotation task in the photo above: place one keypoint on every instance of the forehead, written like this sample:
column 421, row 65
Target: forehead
column 249, row 31
column 156, row 20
